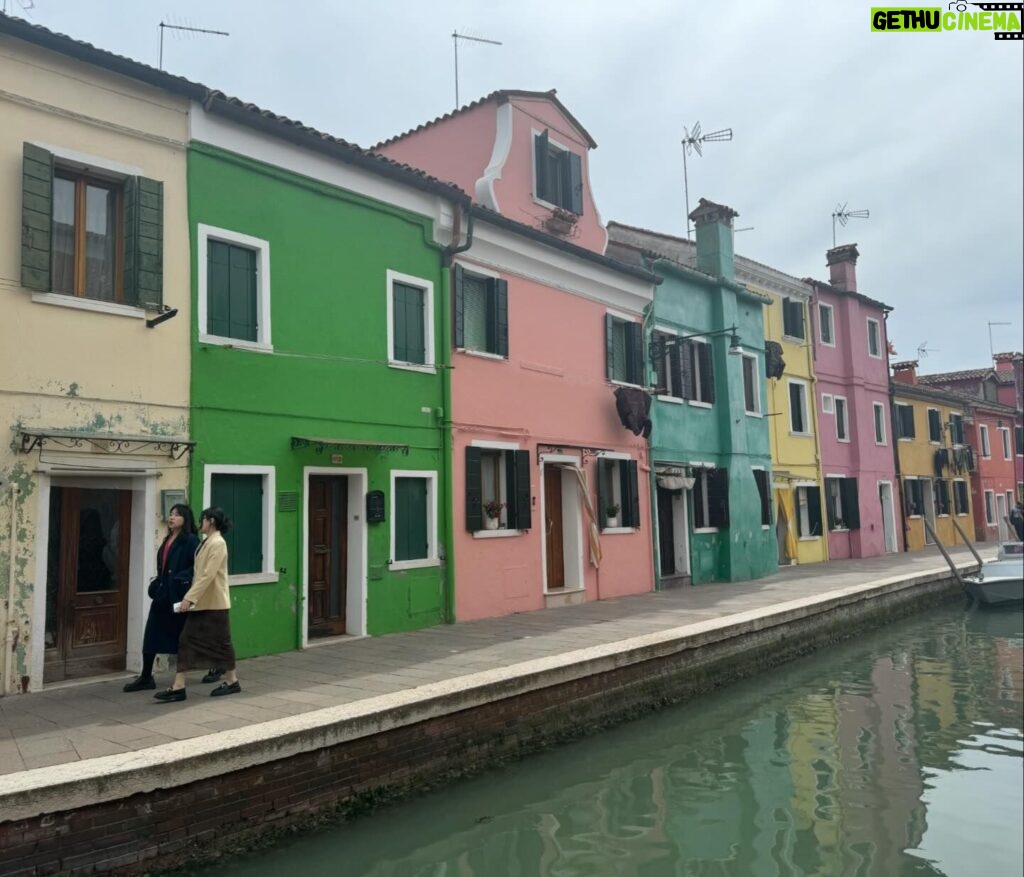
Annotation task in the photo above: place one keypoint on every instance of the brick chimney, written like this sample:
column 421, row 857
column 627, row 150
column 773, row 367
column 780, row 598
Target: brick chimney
column 714, row 239
column 905, row 372
column 842, row 267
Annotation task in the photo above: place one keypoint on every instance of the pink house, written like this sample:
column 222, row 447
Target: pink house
column 851, row 363
column 551, row 490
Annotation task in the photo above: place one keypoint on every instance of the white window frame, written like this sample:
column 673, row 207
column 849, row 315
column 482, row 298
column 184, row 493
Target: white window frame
column 907, row 478
column 795, row 339
column 808, row 431
column 928, row 424
column 503, row 531
column 430, row 476
column 206, row 233
column 828, row 405
column 618, row 459
column 913, row 419
column 534, row 134
column 699, row 402
column 269, row 572
column 842, row 419
column 476, row 272
column 990, row 508
column 878, row 410
column 1004, row 434
column 754, row 373
column 878, row 337
column 666, row 364
column 822, row 307
column 702, row 473
column 952, row 432
column 967, row 502
column 984, row 441
column 800, row 492
column 629, row 318
column 428, row 321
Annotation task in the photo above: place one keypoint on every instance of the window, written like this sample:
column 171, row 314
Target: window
column 481, row 313
column 697, row 355
column 828, row 403
column 990, row 389
column 934, row 426
column 413, row 519
column 1019, row 432
column 874, row 339
column 826, row 325
column 941, row 497
column 798, row 420
column 751, row 385
column 765, row 495
column 986, row 448
column 710, row 499
column 843, row 506
column 684, row 370
column 234, row 288
column 990, row 508
column 1004, row 434
column 960, row 497
column 89, row 232
column 499, row 476
column 793, row 318
column 618, row 492
column 624, row 350
column 904, row 421
column 668, row 372
column 913, row 495
column 559, row 174
column 842, row 420
column 410, row 322
column 956, row 428
column 246, row 494
column 879, row 410
column 808, row 511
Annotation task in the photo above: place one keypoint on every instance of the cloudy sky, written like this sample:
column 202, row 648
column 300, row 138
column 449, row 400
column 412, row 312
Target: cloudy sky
column 924, row 130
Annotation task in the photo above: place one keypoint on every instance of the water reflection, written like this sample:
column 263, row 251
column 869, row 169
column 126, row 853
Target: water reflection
column 898, row 754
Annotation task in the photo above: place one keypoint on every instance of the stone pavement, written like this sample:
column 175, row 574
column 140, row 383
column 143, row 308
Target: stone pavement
column 71, row 723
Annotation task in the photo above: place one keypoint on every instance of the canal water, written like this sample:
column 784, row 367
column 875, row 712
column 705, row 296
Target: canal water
column 898, row 753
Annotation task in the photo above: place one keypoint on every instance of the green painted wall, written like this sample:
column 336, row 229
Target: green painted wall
column 724, row 434
column 326, row 377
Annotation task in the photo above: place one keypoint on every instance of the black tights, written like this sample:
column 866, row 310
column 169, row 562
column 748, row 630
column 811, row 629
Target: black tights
column 147, row 664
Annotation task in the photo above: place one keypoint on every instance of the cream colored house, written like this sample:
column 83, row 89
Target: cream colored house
column 94, row 391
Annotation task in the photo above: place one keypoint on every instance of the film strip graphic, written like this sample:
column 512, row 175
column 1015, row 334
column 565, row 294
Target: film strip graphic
column 1002, row 7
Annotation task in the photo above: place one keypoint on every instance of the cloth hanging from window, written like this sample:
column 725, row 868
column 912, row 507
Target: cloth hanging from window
column 941, row 461
column 634, row 407
column 674, row 482
column 774, row 364
column 785, row 517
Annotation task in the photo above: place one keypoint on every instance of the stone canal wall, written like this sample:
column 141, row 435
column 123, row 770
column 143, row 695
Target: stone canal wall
column 196, row 799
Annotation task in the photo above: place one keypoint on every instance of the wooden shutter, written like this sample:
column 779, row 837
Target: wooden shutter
column 830, row 511
column 634, row 353
column 499, row 299
column 241, row 497
column 144, row 243
column 457, row 307
column 707, row 373
column 814, row 510
column 629, row 488
column 540, row 161
column 675, row 364
column 761, row 479
column 718, row 498
column 574, row 199
column 410, row 519
column 231, row 294
column 474, row 491
column 686, row 370
column 851, row 502
column 518, row 478
column 36, row 217
column 609, row 345
column 409, row 324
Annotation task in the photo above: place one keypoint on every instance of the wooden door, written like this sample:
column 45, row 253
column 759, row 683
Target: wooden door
column 666, row 532
column 87, row 587
column 328, row 554
column 553, row 528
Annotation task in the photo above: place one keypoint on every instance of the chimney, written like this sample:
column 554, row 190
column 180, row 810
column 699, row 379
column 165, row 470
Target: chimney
column 842, row 267
column 1005, row 361
column 905, row 372
column 714, row 239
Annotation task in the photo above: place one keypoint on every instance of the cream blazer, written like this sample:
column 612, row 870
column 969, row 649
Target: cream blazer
column 210, row 581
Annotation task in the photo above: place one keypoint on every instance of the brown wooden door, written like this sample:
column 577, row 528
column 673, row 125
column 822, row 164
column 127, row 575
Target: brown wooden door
column 553, row 527
column 328, row 554
column 87, row 585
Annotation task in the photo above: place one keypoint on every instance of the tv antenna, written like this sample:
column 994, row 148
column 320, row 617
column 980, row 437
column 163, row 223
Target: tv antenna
column 844, row 216
column 923, row 350
column 181, row 27
column 693, row 141
column 456, row 36
column 991, row 349
column 26, row 5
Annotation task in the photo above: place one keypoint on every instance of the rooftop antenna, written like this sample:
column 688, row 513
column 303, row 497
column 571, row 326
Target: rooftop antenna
column 456, row 36
column 844, row 216
column 26, row 5
column 991, row 349
column 923, row 350
column 181, row 27
column 693, row 141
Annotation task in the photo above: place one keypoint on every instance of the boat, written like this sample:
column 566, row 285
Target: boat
column 1000, row 581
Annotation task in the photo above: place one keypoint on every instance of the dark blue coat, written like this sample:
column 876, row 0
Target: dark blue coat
column 163, row 627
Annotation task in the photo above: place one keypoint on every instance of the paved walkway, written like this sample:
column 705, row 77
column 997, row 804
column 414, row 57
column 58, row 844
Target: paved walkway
column 68, row 724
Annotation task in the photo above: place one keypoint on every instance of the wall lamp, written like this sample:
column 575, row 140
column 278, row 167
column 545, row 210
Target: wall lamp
column 661, row 344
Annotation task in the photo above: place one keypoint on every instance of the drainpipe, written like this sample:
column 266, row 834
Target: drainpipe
column 648, row 318
column 895, row 441
column 5, row 685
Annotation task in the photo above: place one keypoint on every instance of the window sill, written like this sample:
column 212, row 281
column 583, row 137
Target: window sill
column 753, row 414
column 840, row 530
column 801, row 434
column 845, row 441
column 696, row 403
column 808, row 538
column 254, row 578
column 793, row 339
column 766, row 526
column 497, row 534
column 705, row 529
column 674, row 400
column 904, row 438
column 618, row 531
column 236, row 343
column 481, row 354
column 412, row 367
column 933, row 442
column 881, row 444
column 874, row 355
column 558, row 592
column 398, row 565
column 625, row 384
column 88, row 304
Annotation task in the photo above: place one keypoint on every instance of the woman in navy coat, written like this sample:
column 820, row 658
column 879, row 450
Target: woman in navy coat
column 174, row 562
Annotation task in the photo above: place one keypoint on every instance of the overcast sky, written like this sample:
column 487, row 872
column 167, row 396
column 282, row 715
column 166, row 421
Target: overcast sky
column 924, row 130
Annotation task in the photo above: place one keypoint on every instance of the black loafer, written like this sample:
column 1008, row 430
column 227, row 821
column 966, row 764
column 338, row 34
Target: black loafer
column 140, row 683
column 213, row 675
column 171, row 695
column 226, row 688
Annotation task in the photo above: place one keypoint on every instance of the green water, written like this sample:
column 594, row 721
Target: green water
column 900, row 753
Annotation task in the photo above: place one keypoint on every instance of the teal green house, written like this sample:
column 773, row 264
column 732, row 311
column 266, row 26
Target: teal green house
column 319, row 377
column 710, row 454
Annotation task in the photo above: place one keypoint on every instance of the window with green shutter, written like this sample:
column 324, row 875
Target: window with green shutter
column 624, row 354
column 412, row 538
column 618, row 493
column 481, row 312
column 497, row 489
column 231, row 291
column 558, row 174
column 408, row 313
column 241, row 497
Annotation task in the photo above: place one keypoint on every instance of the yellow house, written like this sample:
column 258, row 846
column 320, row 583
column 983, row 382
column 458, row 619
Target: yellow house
column 792, row 415
column 94, row 349
column 934, row 461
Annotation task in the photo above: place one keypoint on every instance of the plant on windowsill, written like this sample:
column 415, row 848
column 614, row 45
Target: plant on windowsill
column 561, row 221
column 611, row 515
column 492, row 514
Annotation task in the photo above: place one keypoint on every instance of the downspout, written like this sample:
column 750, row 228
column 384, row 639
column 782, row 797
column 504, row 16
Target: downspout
column 8, row 656
column 648, row 317
column 895, row 441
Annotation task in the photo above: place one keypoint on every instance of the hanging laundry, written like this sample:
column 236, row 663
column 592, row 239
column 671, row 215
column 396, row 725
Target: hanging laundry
column 634, row 407
column 774, row 364
column 941, row 461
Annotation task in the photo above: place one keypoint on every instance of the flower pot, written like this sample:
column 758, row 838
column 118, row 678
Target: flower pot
column 491, row 523
column 611, row 522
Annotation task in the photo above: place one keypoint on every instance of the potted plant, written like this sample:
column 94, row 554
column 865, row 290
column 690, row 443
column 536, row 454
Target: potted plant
column 611, row 515
column 561, row 221
column 492, row 514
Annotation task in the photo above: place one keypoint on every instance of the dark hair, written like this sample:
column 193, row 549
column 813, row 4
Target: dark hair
column 220, row 520
column 189, row 527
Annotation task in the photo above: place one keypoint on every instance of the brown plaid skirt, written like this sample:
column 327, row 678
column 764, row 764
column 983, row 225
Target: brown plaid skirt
column 206, row 641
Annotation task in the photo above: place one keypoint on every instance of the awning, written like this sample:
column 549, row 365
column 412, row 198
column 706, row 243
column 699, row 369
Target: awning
column 30, row 439
column 321, row 444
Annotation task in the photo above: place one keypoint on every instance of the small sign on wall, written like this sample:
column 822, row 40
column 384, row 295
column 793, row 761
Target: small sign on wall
column 375, row 506
column 337, row 459
column 169, row 499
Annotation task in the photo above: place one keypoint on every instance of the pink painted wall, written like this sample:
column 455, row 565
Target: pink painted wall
column 551, row 390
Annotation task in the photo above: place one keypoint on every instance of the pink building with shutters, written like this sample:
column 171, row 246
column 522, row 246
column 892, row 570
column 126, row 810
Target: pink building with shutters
column 544, row 328
column 852, row 394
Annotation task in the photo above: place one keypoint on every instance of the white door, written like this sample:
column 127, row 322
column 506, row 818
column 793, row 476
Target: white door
column 888, row 518
column 1001, row 513
column 928, row 500
column 681, row 526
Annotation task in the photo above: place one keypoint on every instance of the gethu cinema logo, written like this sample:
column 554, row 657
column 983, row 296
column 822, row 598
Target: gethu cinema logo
column 1003, row 19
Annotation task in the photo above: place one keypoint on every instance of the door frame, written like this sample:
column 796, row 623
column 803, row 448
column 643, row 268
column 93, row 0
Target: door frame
column 572, row 527
column 108, row 474
column 680, row 522
column 888, row 517
column 1001, row 516
column 356, row 568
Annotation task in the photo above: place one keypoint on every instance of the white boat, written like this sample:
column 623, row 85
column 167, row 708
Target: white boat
column 1000, row 581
